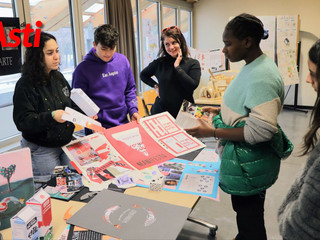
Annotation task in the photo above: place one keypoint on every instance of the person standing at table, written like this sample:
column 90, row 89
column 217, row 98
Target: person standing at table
column 178, row 75
column 251, row 142
column 39, row 100
column 106, row 77
column 299, row 214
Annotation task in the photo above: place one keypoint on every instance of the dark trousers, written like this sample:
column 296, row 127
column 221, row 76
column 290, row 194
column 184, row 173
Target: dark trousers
column 250, row 216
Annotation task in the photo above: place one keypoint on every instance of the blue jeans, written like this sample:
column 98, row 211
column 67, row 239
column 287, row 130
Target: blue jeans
column 44, row 160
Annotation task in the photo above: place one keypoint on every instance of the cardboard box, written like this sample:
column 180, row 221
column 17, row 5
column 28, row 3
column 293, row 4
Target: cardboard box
column 41, row 204
column 25, row 224
column 84, row 102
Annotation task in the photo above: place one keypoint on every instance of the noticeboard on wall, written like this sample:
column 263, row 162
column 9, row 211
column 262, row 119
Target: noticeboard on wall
column 213, row 60
column 287, row 48
column 10, row 57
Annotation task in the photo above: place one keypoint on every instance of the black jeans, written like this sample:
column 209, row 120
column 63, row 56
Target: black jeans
column 250, row 216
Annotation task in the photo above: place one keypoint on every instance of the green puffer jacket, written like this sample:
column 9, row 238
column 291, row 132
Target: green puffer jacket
column 249, row 169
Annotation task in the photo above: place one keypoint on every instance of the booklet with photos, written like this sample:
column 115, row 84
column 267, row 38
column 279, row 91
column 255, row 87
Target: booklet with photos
column 190, row 113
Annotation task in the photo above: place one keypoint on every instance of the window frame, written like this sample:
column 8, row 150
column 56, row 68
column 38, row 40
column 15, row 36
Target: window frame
column 178, row 5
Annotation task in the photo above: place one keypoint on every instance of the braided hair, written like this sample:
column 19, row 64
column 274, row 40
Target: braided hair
column 247, row 25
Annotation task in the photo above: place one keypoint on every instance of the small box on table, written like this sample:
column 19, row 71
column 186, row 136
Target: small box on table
column 41, row 204
column 156, row 183
column 24, row 225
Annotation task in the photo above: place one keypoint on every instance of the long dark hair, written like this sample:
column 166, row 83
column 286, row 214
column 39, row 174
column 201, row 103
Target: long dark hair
column 247, row 25
column 34, row 66
column 311, row 137
column 175, row 33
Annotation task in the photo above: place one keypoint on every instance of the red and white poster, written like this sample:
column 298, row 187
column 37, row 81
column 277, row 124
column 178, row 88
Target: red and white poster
column 101, row 157
column 137, row 146
column 95, row 158
column 171, row 137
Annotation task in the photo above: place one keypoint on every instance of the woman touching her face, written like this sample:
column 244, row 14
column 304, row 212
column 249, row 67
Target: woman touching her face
column 177, row 74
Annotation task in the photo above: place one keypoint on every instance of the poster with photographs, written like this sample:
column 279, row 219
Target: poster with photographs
column 10, row 57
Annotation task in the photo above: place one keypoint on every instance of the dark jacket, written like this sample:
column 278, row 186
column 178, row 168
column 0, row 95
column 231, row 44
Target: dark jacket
column 32, row 107
column 249, row 169
column 175, row 84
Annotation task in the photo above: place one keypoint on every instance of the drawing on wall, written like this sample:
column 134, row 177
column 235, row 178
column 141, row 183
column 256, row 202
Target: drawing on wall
column 287, row 32
column 209, row 59
column 288, row 67
column 287, row 42
column 282, row 40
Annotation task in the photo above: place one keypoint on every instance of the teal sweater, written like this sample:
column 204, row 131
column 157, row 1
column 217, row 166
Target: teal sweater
column 256, row 96
column 253, row 100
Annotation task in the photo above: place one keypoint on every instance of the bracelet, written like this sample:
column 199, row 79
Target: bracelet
column 52, row 114
column 215, row 134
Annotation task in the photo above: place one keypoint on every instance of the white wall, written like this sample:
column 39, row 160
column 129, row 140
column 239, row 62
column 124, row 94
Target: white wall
column 211, row 16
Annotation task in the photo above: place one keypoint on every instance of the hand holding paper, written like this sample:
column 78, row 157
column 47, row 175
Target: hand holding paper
column 57, row 115
column 203, row 130
column 84, row 102
column 190, row 113
column 82, row 120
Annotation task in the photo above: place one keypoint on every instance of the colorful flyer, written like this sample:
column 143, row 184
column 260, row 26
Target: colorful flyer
column 59, row 192
column 95, row 158
column 190, row 113
column 192, row 177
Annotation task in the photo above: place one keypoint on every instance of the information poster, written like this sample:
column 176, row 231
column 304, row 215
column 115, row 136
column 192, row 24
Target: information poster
column 209, row 59
column 192, row 177
column 287, row 42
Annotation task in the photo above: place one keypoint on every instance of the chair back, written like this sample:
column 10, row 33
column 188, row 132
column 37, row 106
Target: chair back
column 141, row 107
column 149, row 98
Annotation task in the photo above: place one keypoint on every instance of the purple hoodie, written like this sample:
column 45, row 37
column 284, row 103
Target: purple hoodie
column 110, row 85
